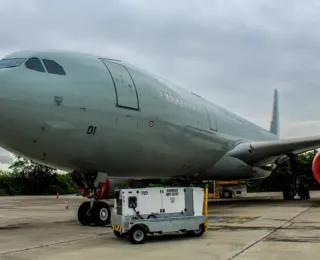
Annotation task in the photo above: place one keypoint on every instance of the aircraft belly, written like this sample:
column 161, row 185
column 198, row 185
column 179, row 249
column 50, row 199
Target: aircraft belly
column 162, row 150
column 124, row 145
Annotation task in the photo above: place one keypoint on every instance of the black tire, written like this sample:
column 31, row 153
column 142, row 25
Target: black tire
column 101, row 213
column 227, row 194
column 304, row 192
column 83, row 218
column 118, row 234
column 137, row 235
column 288, row 194
column 308, row 194
column 197, row 233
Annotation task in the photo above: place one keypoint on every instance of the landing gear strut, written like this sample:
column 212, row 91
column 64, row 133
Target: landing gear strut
column 95, row 211
column 296, row 185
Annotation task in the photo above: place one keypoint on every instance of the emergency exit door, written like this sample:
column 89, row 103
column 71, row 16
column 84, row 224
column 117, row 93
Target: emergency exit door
column 126, row 92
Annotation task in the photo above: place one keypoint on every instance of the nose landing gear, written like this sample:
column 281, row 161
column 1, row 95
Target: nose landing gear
column 95, row 211
column 98, row 214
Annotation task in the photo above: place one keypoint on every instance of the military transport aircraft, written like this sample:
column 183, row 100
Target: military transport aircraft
column 90, row 114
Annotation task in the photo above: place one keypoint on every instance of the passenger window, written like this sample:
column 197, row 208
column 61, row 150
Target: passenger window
column 167, row 96
column 53, row 67
column 172, row 97
column 175, row 99
column 35, row 64
column 161, row 93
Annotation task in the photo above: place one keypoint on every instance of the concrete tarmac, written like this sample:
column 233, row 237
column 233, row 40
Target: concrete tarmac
column 260, row 226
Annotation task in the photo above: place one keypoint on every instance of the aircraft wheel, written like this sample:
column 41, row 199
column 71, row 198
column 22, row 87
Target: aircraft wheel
column 288, row 193
column 304, row 192
column 83, row 217
column 101, row 213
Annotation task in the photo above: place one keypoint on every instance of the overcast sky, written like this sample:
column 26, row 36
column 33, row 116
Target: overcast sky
column 232, row 52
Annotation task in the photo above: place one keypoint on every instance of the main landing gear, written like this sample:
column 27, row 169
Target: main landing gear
column 97, row 214
column 296, row 185
column 95, row 211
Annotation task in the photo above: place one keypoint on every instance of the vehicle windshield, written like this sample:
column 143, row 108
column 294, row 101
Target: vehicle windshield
column 10, row 63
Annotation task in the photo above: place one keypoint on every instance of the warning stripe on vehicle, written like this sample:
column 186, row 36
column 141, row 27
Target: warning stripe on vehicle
column 116, row 227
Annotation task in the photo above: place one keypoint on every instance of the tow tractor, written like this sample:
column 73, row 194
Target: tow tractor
column 138, row 212
column 227, row 189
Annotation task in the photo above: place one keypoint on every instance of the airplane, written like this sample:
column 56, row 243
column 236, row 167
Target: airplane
column 90, row 114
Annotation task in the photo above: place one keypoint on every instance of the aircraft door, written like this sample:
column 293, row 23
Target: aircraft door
column 126, row 92
column 212, row 121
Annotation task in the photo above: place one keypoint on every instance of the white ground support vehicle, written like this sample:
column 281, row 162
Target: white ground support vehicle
column 233, row 191
column 142, row 211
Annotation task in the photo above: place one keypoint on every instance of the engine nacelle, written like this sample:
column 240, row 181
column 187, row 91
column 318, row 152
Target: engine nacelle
column 316, row 167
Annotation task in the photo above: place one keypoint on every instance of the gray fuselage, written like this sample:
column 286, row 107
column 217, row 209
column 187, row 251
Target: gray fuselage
column 109, row 116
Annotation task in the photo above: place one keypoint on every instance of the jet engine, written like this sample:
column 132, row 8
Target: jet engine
column 316, row 167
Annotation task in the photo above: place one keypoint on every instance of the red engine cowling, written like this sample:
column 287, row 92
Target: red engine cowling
column 316, row 167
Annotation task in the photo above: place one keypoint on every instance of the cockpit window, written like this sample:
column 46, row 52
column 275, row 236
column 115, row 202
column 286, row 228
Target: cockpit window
column 10, row 63
column 35, row 64
column 53, row 67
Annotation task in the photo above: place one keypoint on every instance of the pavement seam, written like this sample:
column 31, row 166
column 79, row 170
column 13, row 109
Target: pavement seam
column 264, row 237
column 52, row 244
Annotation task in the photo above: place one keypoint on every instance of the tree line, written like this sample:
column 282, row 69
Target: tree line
column 280, row 176
column 30, row 178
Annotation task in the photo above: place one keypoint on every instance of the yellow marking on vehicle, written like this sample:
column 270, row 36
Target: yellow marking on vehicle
column 116, row 227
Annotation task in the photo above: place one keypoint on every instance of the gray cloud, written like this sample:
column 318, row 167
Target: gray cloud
column 232, row 52
column 5, row 157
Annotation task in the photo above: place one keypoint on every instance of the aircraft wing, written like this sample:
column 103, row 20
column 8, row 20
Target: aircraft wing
column 264, row 152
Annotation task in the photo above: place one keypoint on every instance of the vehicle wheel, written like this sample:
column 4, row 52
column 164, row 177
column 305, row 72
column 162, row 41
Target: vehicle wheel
column 227, row 194
column 137, row 235
column 118, row 234
column 101, row 213
column 83, row 218
column 197, row 233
